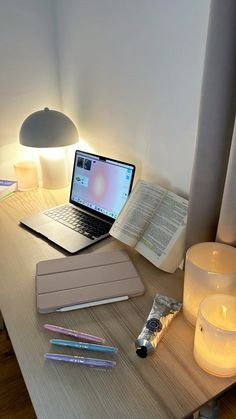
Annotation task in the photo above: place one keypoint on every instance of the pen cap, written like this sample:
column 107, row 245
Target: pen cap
column 141, row 351
column 143, row 347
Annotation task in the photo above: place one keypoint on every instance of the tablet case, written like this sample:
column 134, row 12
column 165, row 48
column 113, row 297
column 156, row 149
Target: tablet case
column 85, row 280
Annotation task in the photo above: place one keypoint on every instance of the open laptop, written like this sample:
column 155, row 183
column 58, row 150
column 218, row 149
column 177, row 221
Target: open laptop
column 99, row 189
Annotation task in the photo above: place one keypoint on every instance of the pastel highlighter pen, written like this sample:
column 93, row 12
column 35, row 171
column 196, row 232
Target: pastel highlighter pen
column 74, row 333
column 84, row 345
column 90, row 362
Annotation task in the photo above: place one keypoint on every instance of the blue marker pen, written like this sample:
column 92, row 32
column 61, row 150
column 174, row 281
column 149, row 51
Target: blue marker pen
column 83, row 345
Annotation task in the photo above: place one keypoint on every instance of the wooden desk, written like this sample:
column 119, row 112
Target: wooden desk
column 167, row 384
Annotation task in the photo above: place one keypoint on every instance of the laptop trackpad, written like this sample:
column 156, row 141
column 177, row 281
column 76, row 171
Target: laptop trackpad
column 63, row 236
column 35, row 220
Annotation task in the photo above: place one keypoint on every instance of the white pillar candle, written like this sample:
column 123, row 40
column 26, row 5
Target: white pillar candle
column 53, row 168
column 215, row 335
column 210, row 268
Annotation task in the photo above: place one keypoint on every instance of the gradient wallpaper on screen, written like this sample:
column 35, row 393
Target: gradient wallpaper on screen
column 101, row 185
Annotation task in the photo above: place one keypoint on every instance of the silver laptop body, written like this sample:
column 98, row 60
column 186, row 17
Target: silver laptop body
column 99, row 189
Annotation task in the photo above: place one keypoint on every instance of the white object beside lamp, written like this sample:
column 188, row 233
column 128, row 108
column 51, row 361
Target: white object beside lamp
column 50, row 131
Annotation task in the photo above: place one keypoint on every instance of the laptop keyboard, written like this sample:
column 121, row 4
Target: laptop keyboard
column 79, row 221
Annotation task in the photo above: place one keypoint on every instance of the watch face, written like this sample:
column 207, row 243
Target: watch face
column 154, row 325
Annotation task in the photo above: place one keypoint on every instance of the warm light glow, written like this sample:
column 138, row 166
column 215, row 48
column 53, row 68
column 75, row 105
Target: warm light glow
column 26, row 175
column 215, row 335
column 52, row 153
column 210, row 268
column 53, row 168
column 56, row 163
column 85, row 146
column 82, row 145
column 224, row 311
column 28, row 153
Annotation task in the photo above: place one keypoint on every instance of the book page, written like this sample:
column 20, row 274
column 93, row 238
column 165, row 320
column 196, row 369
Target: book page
column 137, row 212
column 164, row 238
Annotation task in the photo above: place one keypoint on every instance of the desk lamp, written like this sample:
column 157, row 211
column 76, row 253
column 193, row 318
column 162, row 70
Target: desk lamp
column 50, row 131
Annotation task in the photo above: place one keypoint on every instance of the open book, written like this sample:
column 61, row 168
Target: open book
column 153, row 221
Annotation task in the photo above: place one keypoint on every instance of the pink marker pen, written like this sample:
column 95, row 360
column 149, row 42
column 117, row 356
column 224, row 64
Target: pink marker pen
column 74, row 333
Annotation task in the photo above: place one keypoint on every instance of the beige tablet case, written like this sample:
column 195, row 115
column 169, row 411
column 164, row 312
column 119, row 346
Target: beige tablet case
column 85, row 280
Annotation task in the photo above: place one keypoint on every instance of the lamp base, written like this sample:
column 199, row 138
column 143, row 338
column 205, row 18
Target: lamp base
column 53, row 168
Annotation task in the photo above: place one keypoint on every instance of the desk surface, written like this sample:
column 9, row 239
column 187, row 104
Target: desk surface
column 167, row 384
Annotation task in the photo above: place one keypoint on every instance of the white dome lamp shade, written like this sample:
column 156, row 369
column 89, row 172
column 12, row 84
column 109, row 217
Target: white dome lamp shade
column 50, row 131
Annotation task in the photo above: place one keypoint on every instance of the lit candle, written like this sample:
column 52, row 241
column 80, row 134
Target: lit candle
column 210, row 268
column 26, row 175
column 215, row 335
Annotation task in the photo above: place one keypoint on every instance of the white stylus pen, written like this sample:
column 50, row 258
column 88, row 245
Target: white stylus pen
column 93, row 303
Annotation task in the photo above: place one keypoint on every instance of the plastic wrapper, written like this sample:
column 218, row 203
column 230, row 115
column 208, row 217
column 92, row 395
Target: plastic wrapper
column 163, row 311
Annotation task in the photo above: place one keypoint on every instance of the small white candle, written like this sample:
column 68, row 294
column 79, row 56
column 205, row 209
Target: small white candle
column 26, row 175
column 215, row 335
column 210, row 268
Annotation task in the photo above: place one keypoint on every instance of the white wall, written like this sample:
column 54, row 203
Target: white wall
column 130, row 74
column 28, row 70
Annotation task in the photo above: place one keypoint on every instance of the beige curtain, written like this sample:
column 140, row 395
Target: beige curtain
column 212, row 201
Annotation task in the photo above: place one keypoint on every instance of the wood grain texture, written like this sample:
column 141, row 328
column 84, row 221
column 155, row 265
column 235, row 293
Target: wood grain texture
column 16, row 404
column 167, row 384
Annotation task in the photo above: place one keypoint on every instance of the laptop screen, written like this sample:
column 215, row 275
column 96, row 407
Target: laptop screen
column 100, row 184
